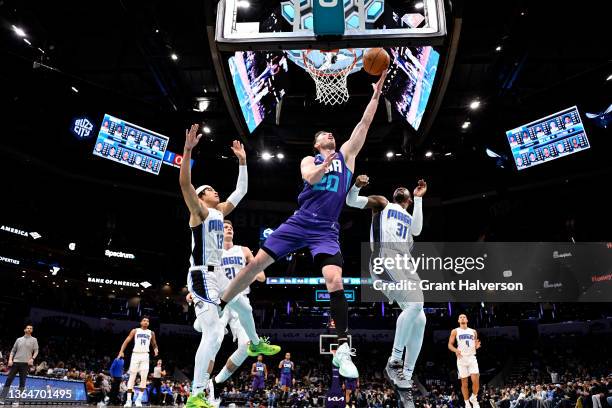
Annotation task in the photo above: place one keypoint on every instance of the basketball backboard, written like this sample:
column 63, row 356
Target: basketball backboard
column 291, row 24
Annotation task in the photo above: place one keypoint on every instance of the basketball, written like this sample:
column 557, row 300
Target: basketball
column 375, row 61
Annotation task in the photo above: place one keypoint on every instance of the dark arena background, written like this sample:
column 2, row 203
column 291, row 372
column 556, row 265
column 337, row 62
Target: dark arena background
column 505, row 113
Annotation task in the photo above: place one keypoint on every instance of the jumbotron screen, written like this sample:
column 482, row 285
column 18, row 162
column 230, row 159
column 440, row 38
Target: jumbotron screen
column 547, row 139
column 130, row 145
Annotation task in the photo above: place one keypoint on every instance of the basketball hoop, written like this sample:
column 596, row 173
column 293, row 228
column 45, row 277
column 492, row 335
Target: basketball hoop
column 329, row 70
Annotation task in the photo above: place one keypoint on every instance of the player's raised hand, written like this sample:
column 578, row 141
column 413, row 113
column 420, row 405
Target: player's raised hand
column 378, row 85
column 192, row 137
column 420, row 189
column 362, row 181
column 238, row 149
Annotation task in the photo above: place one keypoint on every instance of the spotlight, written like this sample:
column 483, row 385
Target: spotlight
column 498, row 48
column 243, row 4
column 448, row 154
column 466, row 124
column 429, row 154
column 609, row 77
column 280, row 156
column 156, row 30
column 72, row 246
column 74, row 89
column 418, row 5
column 25, row 40
column 266, row 156
column 389, row 155
column 19, row 31
column 206, row 129
column 475, row 104
column 174, row 57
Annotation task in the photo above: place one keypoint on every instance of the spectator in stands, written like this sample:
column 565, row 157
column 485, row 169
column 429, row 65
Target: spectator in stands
column 94, row 394
column 165, row 394
column 116, row 373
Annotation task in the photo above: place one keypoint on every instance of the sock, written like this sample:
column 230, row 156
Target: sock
column 475, row 396
column 402, row 328
column 339, row 312
column 414, row 341
column 244, row 310
column 203, row 384
column 467, row 403
column 139, row 396
column 223, row 375
column 129, row 397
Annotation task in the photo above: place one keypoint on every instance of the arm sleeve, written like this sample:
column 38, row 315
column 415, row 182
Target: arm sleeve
column 353, row 199
column 241, row 186
column 417, row 216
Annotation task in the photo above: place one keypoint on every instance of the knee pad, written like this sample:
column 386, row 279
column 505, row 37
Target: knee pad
column 239, row 355
column 321, row 260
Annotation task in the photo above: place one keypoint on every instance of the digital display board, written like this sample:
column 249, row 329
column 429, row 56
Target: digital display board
column 273, row 280
column 47, row 390
column 410, row 81
column 130, row 145
column 323, row 295
column 548, row 138
column 259, row 80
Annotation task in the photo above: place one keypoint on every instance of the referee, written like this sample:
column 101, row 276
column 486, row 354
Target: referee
column 20, row 360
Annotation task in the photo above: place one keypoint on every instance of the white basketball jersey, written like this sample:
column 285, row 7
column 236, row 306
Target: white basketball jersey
column 392, row 225
column 207, row 240
column 142, row 341
column 232, row 261
column 466, row 341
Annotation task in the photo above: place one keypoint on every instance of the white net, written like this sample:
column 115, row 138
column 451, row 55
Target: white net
column 329, row 70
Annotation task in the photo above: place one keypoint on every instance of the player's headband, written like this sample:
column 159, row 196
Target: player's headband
column 201, row 189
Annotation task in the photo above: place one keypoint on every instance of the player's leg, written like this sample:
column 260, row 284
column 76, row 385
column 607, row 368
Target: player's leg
column 235, row 360
column 415, row 337
column 131, row 381
column 465, row 391
column 205, row 355
column 475, row 376
column 9, row 380
column 245, row 277
column 242, row 306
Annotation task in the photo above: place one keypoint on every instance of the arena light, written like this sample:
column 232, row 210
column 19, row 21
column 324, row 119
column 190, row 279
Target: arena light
column 266, row 156
column 174, row 57
column 475, row 104
column 19, row 31
column 498, row 48
column 280, row 156
column 429, row 154
column 389, row 155
column 243, row 4
column 72, row 246
column 25, row 40
column 466, row 124
column 609, row 77
column 75, row 90
column 492, row 154
column 448, row 154
column 418, row 5
column 206, row 129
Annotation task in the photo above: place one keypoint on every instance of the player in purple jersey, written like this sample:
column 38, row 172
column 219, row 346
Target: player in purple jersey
column 286, row 375
column 315, row 225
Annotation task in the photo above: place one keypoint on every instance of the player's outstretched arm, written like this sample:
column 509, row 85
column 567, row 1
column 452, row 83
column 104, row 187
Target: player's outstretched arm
column 451, row 343
column 198, row 211
column 353, row 146
column 417, row 212
column 313, row 173
column 242, row 184
column 126, row 342
column 353, row 199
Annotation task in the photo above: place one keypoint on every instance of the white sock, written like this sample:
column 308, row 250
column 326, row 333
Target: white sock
column 201, row 384
column 139, row 396
column 402, row 327
column 129, row 397
column 223, row 375
column 244, row 310
column 414, row 338
column 474, row 396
